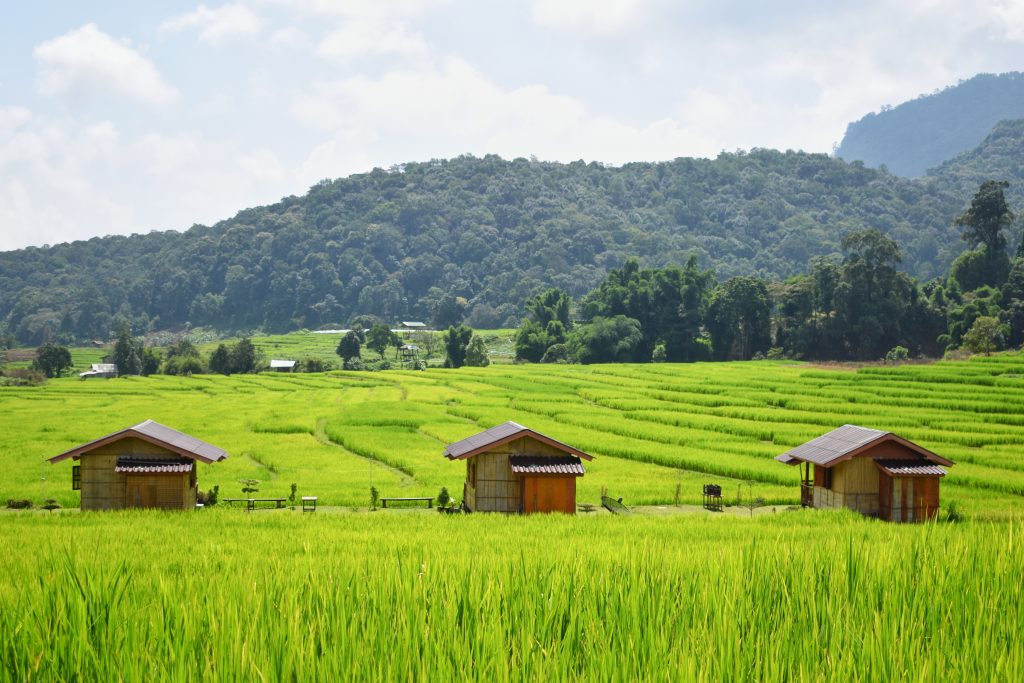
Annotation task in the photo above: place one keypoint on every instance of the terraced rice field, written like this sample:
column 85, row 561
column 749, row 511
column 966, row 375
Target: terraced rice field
column 652, row 427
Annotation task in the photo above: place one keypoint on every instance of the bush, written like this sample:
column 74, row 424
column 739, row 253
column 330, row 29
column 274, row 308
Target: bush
column 316, row 365
column 896, row 354
column 19, row 504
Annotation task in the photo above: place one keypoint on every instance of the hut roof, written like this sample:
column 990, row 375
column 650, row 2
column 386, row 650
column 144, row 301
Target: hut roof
column 413, row 323
column 847, row 441
column 155, row 433
column 909, row 468
column 530, row 464
column 502, row 434
column 282, row 363
column 140, row 466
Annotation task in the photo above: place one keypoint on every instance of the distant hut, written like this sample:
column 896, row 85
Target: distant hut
column 511, row 468
column 105, row 370
column 282, row 365
column 413, row 326
column 409, row 353
column 144, row 466
column 872, row 472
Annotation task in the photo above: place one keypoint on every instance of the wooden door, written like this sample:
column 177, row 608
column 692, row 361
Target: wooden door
column 549, row 494
column 140, row 493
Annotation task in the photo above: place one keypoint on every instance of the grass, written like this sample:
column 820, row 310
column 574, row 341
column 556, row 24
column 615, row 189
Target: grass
column 653, row 427
column 406, row 596
column 414, row 595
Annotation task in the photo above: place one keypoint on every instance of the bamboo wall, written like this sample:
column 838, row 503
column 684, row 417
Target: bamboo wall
column 105, row 489
column 497, row 489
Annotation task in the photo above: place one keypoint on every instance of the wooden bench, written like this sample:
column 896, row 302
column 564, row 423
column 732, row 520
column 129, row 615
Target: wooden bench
column 250, row 503
column 309, row 503
column 384, row 501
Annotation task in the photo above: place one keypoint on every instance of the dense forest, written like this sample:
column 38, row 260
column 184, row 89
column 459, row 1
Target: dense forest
column 920, row 134
column 482, row 232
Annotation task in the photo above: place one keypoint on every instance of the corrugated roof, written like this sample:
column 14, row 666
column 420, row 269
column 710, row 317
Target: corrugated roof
column 413, row 323
column 172, row 439
column 104, row 367
column 910, row 468
column 503, row 433
column 141, row 466
column 831, row 446
column 282, row 364
column 846, row 441
column 536, row 464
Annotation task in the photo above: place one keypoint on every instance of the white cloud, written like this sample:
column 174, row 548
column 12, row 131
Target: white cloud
column 601, row 16
column 443, row 110
column 61, row 180
column 1009, row 19
column 217, row 24
column 87, row 60
column 376, row 10
column 360, row 38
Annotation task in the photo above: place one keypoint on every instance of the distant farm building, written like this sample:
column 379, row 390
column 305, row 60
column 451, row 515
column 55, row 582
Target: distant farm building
column 282, row 365
column 872, row 472
column 412, row 326
column 105, row 370
column 511, row 468
column 144, row 466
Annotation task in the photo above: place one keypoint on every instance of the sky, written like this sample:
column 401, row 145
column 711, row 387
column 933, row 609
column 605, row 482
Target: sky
column 125, row 117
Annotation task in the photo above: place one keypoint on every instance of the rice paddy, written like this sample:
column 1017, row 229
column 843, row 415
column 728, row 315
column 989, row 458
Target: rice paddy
column 409, row 595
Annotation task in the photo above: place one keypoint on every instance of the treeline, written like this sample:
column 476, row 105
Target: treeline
column 857, row 307
column 470, row 240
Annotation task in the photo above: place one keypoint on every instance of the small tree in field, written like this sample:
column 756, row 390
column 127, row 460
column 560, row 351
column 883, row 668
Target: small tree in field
column 380, row 338
column 250, row 486
column 984, row 336
column 476, row 353
column 374, row 497
column 349, row 347
column 52, row 360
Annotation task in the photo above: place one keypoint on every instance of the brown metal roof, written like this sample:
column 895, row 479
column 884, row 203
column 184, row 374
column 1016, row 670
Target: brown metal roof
column 847, row 441
column 538, row 464
column 155, row 433
column 910, row 468
column 141, row 466
column 502, row 434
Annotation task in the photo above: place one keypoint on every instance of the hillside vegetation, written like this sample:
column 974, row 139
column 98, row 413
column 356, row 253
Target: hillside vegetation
column 913, row 137
column 393, row 243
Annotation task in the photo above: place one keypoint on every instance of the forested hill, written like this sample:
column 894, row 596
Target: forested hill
column 395, row 243
column 917, row 135
column 1000, row 156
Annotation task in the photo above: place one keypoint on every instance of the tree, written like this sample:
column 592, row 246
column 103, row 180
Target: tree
column 606, row 340
column 448, row 310
column 348, row 346
column 220, row 360
column 244, row 357
column 987, row 217
column 52, row 360
column 455, row 342
column 127, row 353
column 984, row 336
column 379, row 338
column 476, row 353
column 150, row 364
column 739, row 319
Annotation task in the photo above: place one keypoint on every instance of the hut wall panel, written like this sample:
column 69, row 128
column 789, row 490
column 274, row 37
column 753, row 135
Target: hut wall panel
column 499, row 490
column 857, row 482
column 105, row 489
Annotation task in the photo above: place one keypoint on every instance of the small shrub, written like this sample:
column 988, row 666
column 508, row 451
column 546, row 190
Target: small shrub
column 776, row 353
column 897, row 354
column 51, row 505
column 374, row 497
column 443, row 498
column 250, row 485
column 292, row 497
column 19, row 504
column 953, row 513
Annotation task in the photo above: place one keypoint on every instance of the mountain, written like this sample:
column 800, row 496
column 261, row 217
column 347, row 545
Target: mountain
column 396, row 242
column 924, row 132
column 1000, row 156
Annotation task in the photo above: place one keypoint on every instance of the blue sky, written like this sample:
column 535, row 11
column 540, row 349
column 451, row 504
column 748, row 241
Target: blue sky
column 120, row 117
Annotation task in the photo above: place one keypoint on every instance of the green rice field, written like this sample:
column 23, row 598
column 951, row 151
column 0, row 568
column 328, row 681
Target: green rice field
column 671, row 593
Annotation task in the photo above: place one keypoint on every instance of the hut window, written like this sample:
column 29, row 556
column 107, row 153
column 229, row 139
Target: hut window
column 828, row 477
column 76, row 478
column 472, row 473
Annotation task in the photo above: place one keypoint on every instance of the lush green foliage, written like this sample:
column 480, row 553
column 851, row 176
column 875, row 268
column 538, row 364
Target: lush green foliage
column 52, row 360
column 405, row 596
column 917, row 135
column 413, row 240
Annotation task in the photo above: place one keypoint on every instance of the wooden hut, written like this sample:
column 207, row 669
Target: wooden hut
column 144, row 466
column 104, row 370
column 282, row 365
column 511, row 468
column 873, row 472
